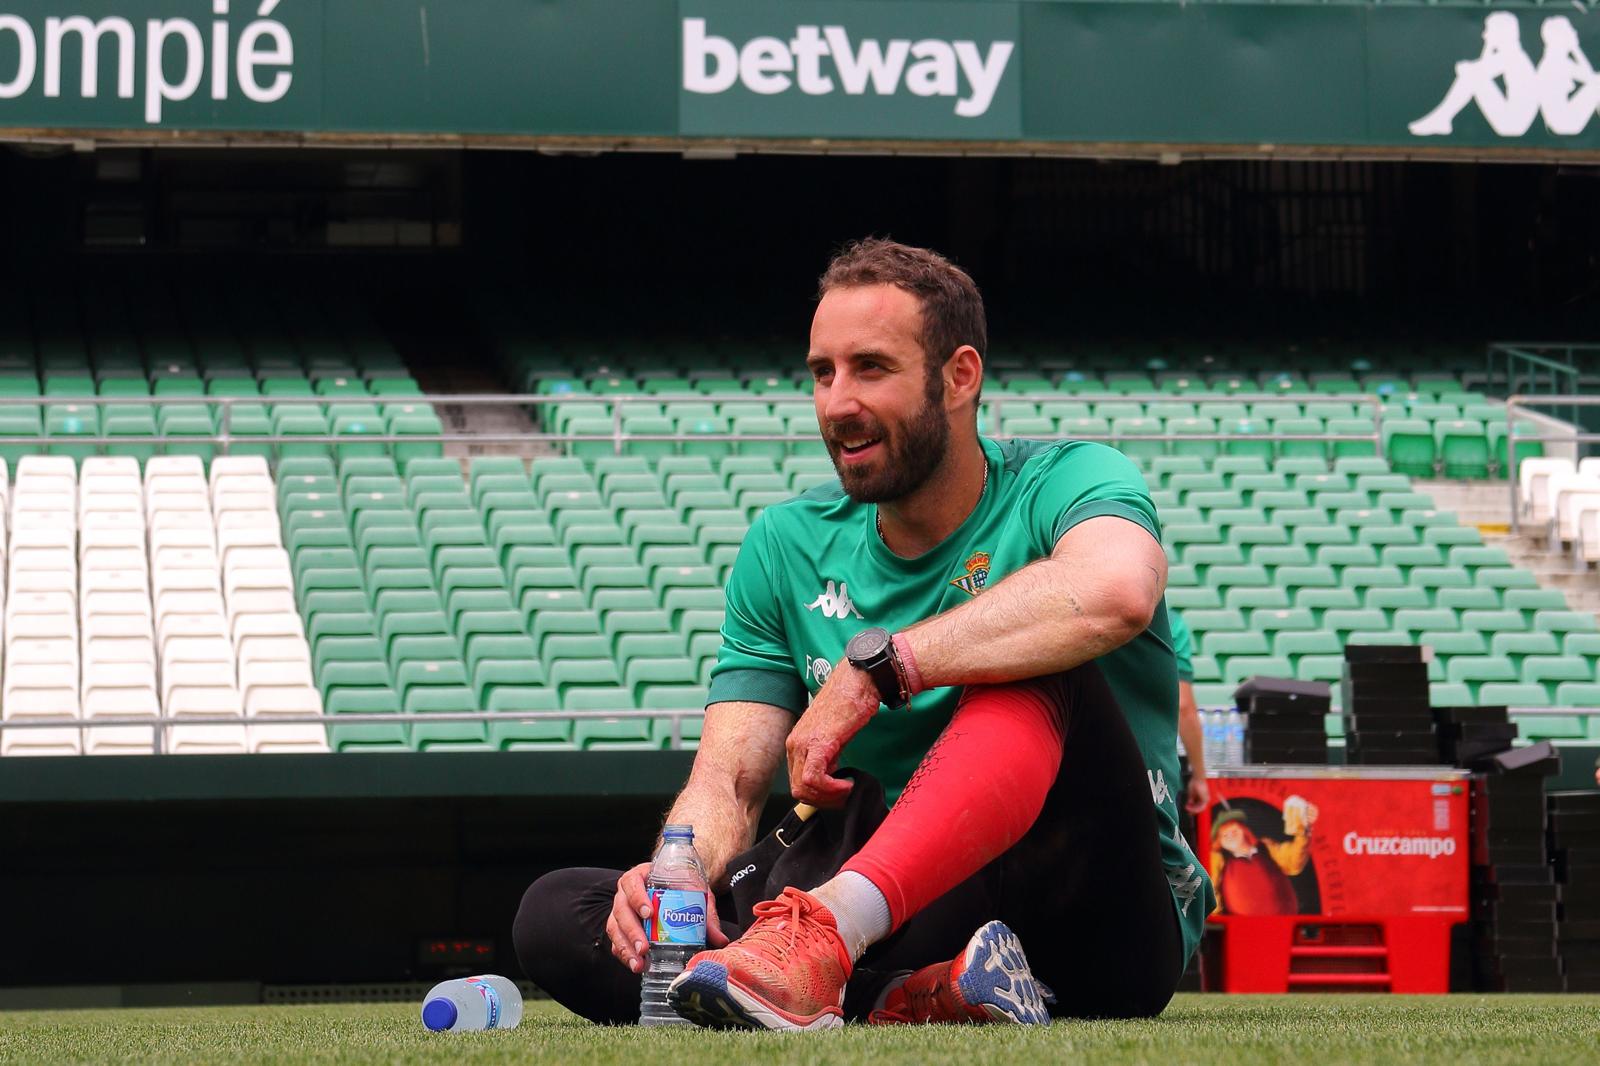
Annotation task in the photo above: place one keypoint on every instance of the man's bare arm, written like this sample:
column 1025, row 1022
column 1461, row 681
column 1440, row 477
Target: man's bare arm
column 741, row 748
column 1097, row 590
column 741, row 745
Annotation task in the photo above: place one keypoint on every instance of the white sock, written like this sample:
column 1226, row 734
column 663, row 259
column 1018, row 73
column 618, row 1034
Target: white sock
column 860, row 910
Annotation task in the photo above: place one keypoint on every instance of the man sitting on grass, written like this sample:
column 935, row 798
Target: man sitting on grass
column 980, row 625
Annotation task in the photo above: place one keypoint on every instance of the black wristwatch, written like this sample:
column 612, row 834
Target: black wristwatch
column 872, row 650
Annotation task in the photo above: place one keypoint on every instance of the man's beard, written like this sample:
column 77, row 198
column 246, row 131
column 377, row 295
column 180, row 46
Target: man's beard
column 914, row 451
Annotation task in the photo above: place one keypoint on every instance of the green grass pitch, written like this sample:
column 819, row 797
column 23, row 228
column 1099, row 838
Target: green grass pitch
column 1230, row 1030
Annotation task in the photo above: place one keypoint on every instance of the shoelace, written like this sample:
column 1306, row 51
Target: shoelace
column 923, row 1001
column 919, row 1005
column 765, row 931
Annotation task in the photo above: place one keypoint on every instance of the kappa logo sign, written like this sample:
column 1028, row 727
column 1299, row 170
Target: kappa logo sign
column 835, row 602
column 820, row 60
column 1511, row 91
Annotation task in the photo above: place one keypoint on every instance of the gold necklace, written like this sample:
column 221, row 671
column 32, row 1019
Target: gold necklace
column 878, row 515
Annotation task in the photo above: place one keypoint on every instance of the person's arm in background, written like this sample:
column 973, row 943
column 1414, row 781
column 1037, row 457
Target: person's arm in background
column 1196, row 794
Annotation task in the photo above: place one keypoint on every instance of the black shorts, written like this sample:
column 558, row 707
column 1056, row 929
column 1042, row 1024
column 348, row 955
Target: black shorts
column 1084, row 890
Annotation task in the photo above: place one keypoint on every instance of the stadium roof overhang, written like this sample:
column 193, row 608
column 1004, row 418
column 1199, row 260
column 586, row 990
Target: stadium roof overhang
column 711, row 78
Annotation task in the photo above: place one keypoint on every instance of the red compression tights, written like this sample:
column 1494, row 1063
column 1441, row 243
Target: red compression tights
column 976, row 792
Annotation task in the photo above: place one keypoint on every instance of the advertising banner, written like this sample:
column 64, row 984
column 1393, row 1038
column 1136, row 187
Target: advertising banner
column 1336, row 844
column 1005, row 74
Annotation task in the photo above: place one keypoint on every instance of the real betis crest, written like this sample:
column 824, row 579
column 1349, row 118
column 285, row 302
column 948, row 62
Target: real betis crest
column 977, row 575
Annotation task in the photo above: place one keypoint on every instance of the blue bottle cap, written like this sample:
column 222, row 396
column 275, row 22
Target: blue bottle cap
column 439, row 1014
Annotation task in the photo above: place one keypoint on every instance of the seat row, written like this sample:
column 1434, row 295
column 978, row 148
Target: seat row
column 177, row 602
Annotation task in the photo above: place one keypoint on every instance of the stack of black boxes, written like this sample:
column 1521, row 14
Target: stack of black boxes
column 1387, row 719
column 1471, row 735
column 1575, row 847
column 1287, row 721
column 1513, row 887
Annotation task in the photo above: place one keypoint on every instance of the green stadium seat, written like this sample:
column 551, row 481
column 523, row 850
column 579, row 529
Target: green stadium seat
column 1450, row 694
column 1550, row 670
column 1580, row 694
column 1324, row 599
column 1140, row 450
column 1409, row 445
column 1231, row 466
column 1446, row 642
column 1270, row 621
column 1313, row 427
column 1240, row 668
column 1190, row 426
column 1531, row 600
column 1517, row 694
column 1518, row 645
column 1292, row 643
column 1278, row 554
column 1565, row 622
column 1578, row 643
column 1475, row 669
column 1345, row 621
column 1251, row 597
column 1477, row 598
column 1463, row 448
column 1193, row 598
column 1219, row 645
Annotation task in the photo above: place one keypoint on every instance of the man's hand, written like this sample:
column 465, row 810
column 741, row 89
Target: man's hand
column 629, row 943
column 1197, row 796
column 842, row 706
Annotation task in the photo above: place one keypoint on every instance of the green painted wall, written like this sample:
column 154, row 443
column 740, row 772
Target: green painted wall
column 910, row 71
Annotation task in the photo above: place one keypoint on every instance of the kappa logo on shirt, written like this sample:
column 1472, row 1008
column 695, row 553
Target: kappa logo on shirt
column 835, row 602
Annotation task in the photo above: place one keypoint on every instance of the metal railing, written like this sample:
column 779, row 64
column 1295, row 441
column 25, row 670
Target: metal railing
column 1578, row 437
column 224, row 438
column 161, row 723
column 1530, row 364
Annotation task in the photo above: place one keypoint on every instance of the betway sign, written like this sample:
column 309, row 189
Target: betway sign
column 828, row 67
column 770, row 65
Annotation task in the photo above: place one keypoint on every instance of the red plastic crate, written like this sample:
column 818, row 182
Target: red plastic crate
column 1302, row 953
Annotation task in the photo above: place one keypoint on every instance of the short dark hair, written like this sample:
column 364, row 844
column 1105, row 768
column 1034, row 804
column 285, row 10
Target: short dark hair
column 952, row 308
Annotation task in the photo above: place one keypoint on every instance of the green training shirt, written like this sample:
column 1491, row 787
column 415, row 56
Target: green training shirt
column 1182, row 645
column 813, row 572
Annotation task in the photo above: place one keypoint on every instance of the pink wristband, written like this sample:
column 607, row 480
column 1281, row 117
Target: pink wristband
column 908, row 664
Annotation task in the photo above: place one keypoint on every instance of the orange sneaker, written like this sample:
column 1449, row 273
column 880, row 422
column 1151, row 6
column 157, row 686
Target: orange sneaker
column 788, row 971
column 988, row 982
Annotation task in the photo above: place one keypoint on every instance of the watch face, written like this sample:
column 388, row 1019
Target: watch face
column 867, row 644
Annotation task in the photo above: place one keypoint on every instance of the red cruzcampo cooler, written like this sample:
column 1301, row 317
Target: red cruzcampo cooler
column 1336, row 878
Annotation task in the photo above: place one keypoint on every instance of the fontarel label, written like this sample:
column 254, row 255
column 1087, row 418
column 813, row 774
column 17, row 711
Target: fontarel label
column 849, row 68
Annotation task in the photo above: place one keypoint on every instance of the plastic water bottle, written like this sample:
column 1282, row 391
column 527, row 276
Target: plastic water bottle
column 677, row 923
column 486, row 1002
column 1213, row 732
column 1235, row 738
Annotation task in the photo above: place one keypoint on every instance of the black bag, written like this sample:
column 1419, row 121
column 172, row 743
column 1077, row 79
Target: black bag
column 806, row 848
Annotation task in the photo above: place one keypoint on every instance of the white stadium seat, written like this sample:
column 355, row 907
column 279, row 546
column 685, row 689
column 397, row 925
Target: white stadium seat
column 1567, row 493
column 167, row 465
column 118, row 604
column 110, row 465
column 1532, row 475
column 236, row 465
column 208, row 740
